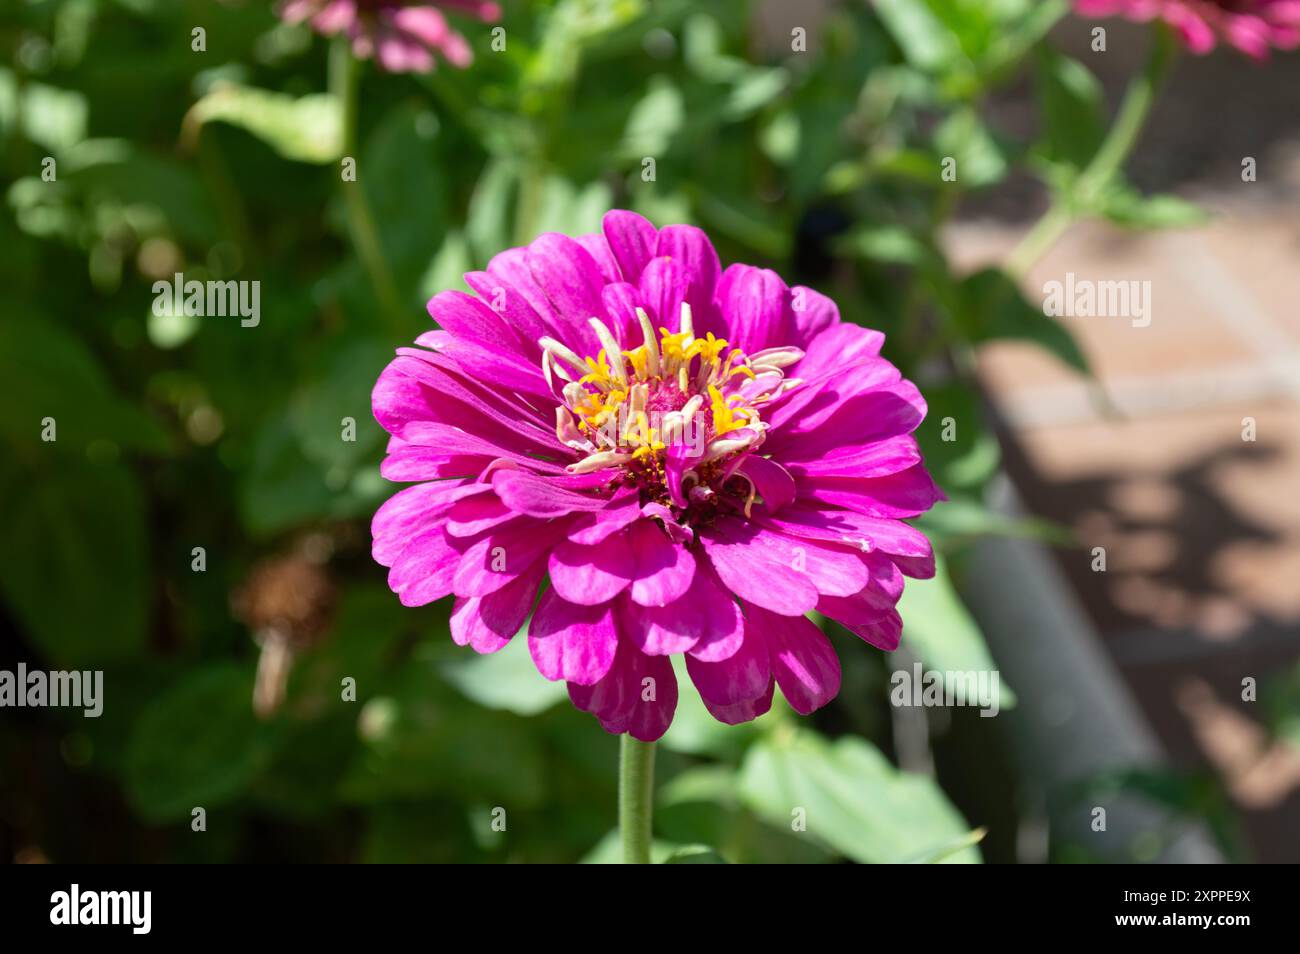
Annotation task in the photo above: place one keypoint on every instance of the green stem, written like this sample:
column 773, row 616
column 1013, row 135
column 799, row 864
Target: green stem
column 636, row 783
column 344, row 82
column 1044, row 234
column 1106, row 162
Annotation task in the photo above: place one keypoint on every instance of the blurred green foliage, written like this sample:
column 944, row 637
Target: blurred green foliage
column 176, row 432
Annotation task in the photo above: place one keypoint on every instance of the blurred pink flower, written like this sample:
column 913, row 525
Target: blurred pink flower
column 1252, row 26
column 402, row 35
column 695, row 456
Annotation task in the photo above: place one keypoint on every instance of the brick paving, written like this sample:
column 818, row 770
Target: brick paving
column 1201, row 527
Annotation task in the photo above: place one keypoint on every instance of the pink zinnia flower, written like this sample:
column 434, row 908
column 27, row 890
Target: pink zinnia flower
column 696, row 458
column 1252, row 26
column 402, row 35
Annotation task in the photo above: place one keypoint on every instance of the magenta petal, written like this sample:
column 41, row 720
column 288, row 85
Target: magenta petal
column 908, row 493
column 663, row 287
column 517, row 313
column 859, row 421
column 830, row 569
column 399, row 398
column 600, row 253
column 420, row 388
column 478, row 514
column 807, row 408
column 638, row 695
column 837, row 347
column 864, row 616
column 741, row 677
column 591, row 575
column 870, row 460
column 430, row 450
column 658, row 631
column 812, row 312
column 749, row 573
column 622, row 510
column 537, row 496
column 722, row 627
column 854, row 529
column 469, row 319
column 706, row 622
column 689, row 247
column 572, row 642
column 740, row 712
column 621, row 300
column 886, row 575
column 487, row 623
column 677, row 460
column 596, row 480
column 919, row 568
column 663, row 569
column 772, row 481
column 655, row 702
column 756, row 305
column 803, row 660
column 425, row 570
column 412, row 510
column 504, row 554
column 512, row 283
column 632, row 241
column 571, row 279
column 499, row 369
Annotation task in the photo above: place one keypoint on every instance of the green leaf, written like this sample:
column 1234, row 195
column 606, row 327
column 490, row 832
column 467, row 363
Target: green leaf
column 958, row 519
column 1024, row 24
column 303, row 468
column 197, row 745
column 609, row 851
column 939, row 855
column 133, row 176
column 303, row 129
column 654, row 121
column 407, row 186
column 1073, row 109
column 52, row 118
column 695, row 855
column 937, row 625
column 1125, row 206
column 981, row 159
column 754, row 90
column 487, row 224
column 893, row 244
column 959, row 449
column 851, row 798
column 505, row 680
column 420, row 738
column 992, row 307
column 73, row 559
column 924, row 39
column 51, row 373
column 703, row 783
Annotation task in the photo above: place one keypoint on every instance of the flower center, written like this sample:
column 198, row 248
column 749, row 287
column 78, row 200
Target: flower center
column 677, row 415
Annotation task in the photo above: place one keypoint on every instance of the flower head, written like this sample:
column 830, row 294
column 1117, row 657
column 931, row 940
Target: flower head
column 695, row 458
column 402, row 35
column 1252, row 26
